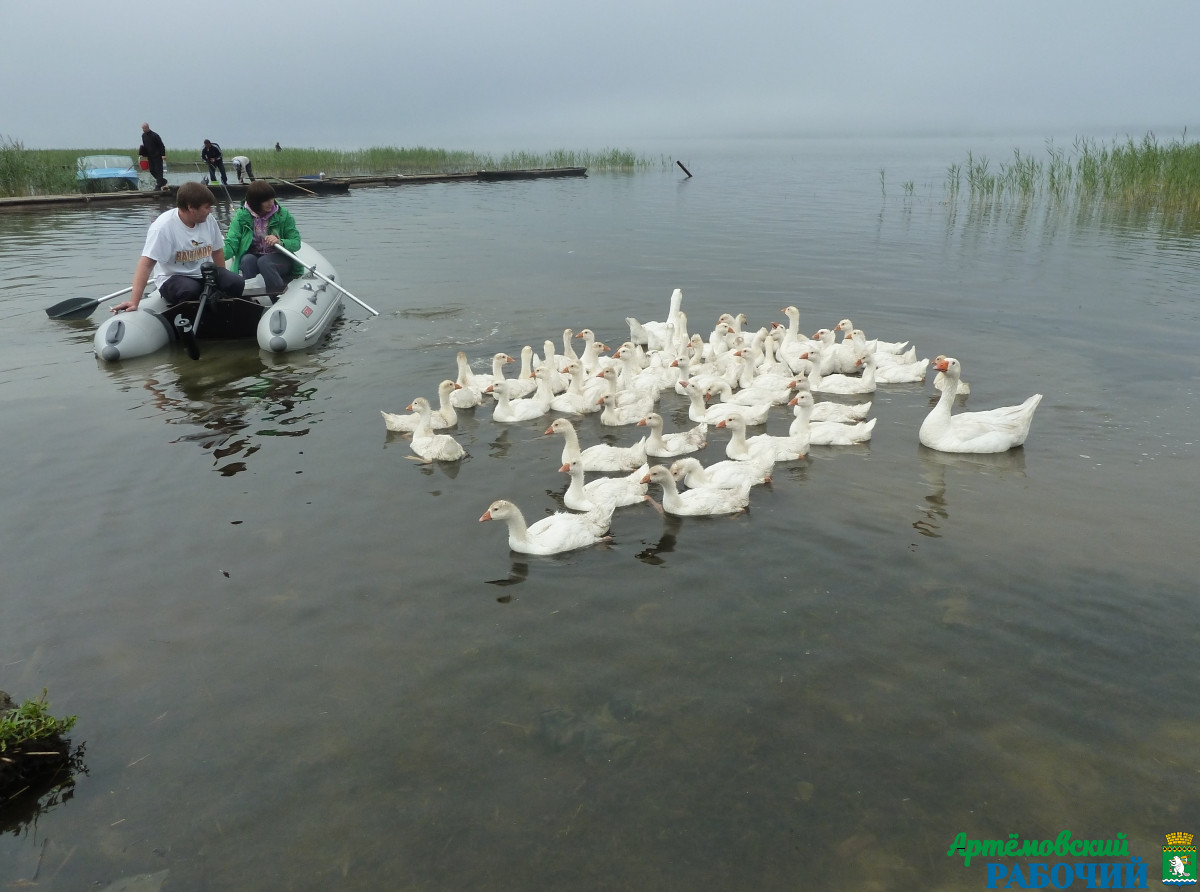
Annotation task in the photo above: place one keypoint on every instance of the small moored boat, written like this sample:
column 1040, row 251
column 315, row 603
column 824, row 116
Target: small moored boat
column 106, row 173
column 294, row 320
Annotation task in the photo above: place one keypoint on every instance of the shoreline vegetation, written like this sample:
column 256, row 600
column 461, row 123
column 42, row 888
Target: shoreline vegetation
column 1143, row 174
column 52, row 171
column 31, row 741
column 1141, row 183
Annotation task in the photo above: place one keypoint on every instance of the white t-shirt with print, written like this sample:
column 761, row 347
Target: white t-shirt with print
column 179, row 250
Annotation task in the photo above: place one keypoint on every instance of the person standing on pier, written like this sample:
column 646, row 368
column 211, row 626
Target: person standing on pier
column 211, row 154
column 155, row 153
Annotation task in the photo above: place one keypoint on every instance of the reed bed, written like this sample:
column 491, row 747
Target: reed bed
column 1139, row 177
column 52, row 171
column 36, row 172
column 389, row 160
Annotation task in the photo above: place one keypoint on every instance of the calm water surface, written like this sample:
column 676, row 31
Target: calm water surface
column 299, row 662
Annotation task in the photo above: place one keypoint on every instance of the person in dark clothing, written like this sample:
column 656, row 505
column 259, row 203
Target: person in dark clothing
column 155, row 153
column 211, row 153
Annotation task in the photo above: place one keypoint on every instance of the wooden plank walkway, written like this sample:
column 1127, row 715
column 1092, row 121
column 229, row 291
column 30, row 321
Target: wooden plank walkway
column 297, row 186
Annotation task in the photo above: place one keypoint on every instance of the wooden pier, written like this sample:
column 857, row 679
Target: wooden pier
column 297, row 186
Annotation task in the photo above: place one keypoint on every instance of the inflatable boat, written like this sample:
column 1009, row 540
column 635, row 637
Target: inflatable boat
column 293, row 320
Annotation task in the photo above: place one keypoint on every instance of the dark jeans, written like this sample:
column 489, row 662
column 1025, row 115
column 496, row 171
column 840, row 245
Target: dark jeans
column 178, row 289
column 155, row 167
column 276, row 269
column 213, row 167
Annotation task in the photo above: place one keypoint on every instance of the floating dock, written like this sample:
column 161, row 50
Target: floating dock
column 299, row 186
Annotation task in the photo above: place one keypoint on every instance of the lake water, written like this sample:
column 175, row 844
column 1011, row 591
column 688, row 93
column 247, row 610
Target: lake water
column 299, row 661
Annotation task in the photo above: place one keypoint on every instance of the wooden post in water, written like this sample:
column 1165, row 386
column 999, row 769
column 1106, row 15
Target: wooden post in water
column 684, row 169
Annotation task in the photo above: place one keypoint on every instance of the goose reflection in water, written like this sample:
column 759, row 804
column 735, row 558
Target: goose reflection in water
column 652, row 554
column 225, row 396
column 933, row 472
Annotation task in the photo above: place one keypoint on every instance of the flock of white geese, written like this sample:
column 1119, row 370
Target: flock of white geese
column 732, row 379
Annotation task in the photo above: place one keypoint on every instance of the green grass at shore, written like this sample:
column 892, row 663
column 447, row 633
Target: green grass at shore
column 29, row 722
column 52, row 171
column 1142, row 176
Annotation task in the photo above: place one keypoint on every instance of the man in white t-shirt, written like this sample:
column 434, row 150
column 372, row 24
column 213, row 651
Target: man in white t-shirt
column 178, row 243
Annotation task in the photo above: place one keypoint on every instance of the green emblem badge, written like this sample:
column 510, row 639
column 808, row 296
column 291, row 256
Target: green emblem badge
column 1179, row 860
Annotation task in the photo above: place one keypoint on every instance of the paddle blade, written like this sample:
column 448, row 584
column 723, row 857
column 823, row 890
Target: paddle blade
column 81, row 307
column 75, row 308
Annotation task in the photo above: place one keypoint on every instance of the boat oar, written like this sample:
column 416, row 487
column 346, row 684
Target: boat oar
column 290, row 183
column 81, row 307
column 313, row 269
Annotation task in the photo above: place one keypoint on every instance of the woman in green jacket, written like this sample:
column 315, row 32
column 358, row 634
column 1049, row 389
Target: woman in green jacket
column 256, row 227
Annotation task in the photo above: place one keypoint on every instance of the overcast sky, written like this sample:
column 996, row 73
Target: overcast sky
column 537, row 75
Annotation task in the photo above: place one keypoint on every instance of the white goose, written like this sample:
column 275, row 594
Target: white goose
column 940, row 381
column 428, row 445
column 633, row 399
column 484, row 381
column 736, row 323
column 739, row 448
column 582, row 395
column 661, row 335
column 793, row 343
column 603, row 493
column 843, row 413
column 660, row 445
column 993, row 430
column 524, row 379
column 753, row 413
column 699, row 411
column 592, row 348
column 857, row 342
column 509, row 410
column 600, row 457
column 440, row 419
column 697, row 502
column 551, row 535
column 806, row 432
column 649, row 379
column 615, row 416
column 760, row 387
column 900, row 372
column 769, row 363
column 831, row 357
column 875, row 346
column 845, row 384
column 470, row 392
column 727, row 474
column 695, row 373
column 553, row 364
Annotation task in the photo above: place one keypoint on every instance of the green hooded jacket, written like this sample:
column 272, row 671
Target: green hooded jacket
column 241, row 234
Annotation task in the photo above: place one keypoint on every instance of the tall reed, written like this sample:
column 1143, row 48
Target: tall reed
column 1143, row 175
column 30, row 172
